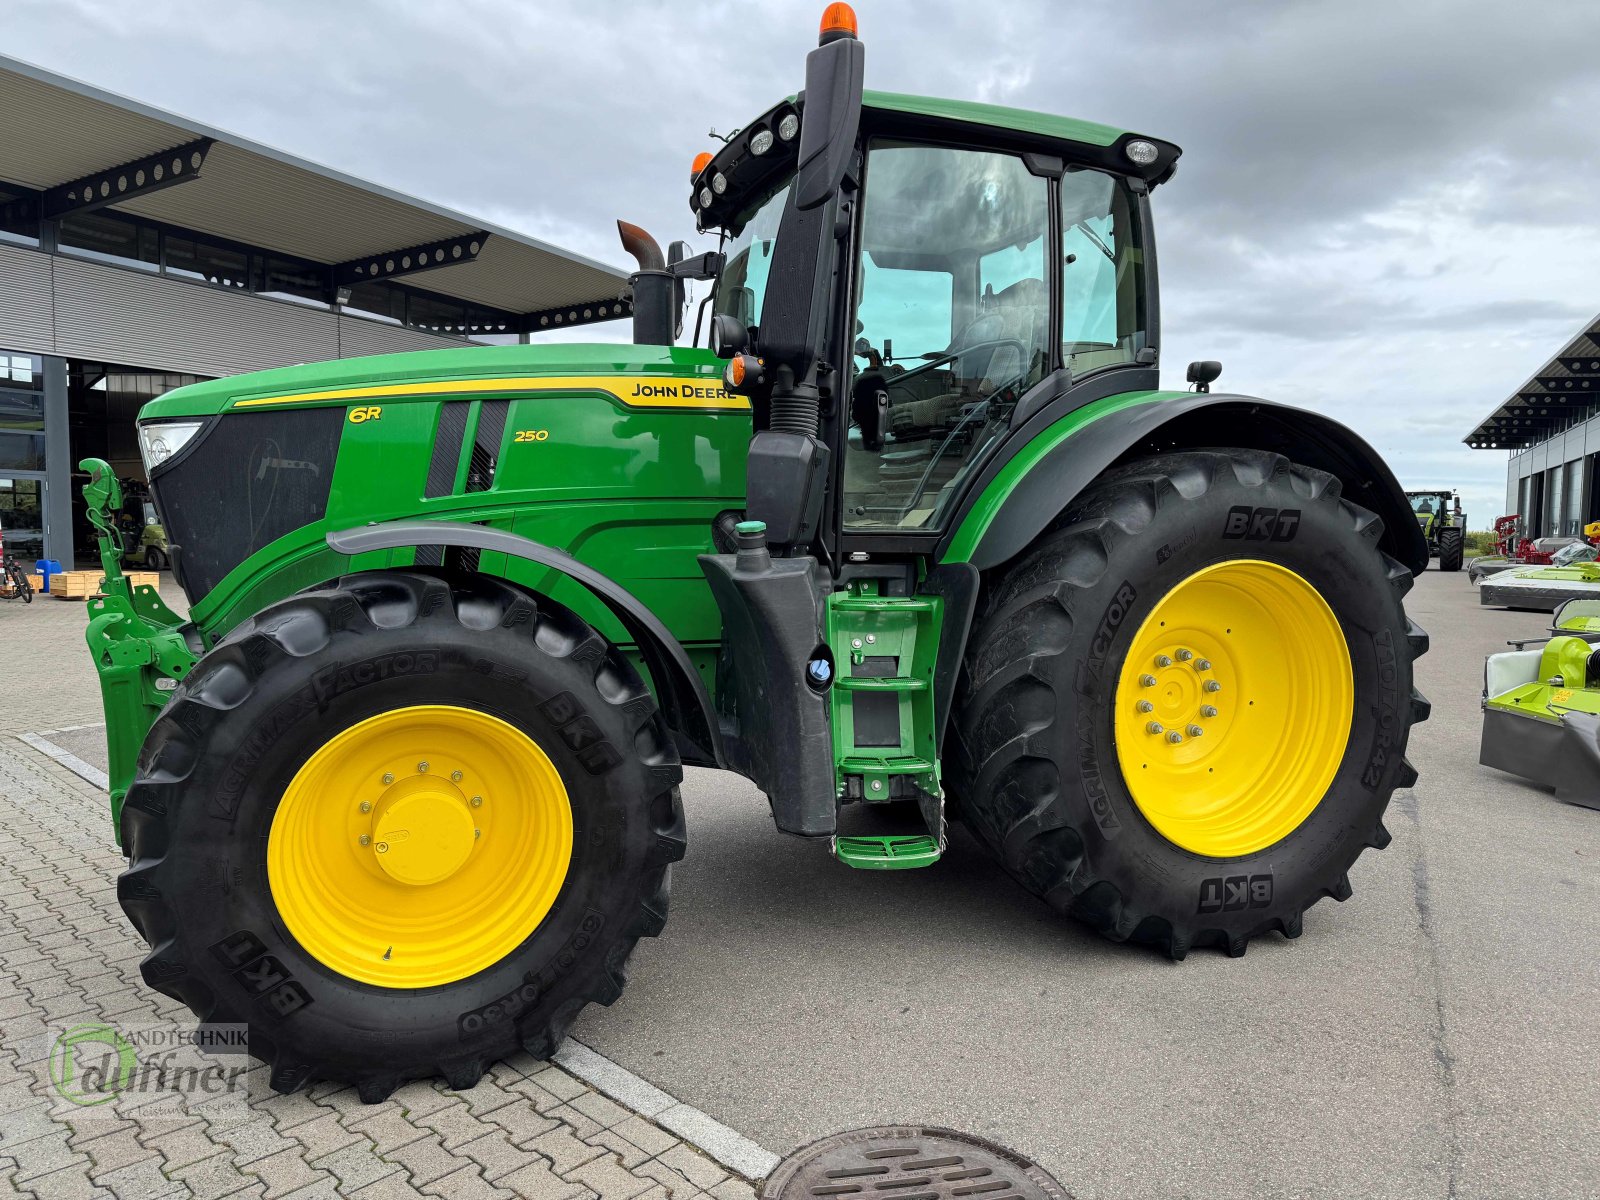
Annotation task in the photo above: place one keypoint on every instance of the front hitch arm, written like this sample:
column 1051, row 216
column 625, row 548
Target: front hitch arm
column 141, row 648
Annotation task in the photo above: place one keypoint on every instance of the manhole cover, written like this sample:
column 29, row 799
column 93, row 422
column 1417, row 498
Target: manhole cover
column 901, row 1162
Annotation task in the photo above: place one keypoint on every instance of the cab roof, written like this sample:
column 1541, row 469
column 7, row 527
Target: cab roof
column 1068, row 129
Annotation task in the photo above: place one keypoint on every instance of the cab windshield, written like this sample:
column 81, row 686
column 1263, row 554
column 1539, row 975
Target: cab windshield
column 742, row 285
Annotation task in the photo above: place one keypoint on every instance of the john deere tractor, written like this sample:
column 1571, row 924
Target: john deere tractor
column 917, row 535
column 1443, row 525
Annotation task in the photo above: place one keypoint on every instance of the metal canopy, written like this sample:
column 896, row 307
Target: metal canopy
column 64, row 138
column 1562, row 392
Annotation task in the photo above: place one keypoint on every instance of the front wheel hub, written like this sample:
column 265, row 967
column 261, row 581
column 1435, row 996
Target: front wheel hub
column 424, row 834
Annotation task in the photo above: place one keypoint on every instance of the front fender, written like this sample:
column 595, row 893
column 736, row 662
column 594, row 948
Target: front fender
column 1059, row 456
column 679, row 690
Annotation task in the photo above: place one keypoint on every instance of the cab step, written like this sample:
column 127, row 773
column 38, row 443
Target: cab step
column 886, row 852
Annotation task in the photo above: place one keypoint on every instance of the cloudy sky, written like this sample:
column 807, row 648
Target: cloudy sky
column 1388, row 211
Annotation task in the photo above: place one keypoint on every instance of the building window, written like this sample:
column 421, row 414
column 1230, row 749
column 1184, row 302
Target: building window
column 107, row 235
column 24, row 371
column 21, row 451
column 197, row 258
column 380, row 300
column 19, row 214
column 428, row 312
column 288, row 277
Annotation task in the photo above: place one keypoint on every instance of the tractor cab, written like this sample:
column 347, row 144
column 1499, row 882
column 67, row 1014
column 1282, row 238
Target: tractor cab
column 905, row 281
column 907, row 289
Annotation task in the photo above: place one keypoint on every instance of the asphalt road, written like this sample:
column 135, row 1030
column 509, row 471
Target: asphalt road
column 1436, row 1036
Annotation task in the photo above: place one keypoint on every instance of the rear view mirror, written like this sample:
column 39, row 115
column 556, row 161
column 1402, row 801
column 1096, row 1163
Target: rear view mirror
column 1203, row 373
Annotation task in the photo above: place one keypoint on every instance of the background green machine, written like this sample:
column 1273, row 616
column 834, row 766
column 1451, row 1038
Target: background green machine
column 1443, row 525
column 917, row 534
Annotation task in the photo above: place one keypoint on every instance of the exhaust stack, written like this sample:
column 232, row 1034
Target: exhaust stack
column 654, row 290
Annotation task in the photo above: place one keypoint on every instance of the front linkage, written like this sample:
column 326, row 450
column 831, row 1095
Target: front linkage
column 139, row 645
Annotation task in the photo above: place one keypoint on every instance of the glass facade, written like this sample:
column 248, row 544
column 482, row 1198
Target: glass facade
column 22, row 519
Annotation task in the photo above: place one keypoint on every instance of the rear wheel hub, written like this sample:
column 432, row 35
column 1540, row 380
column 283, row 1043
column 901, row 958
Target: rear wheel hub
column 1233, row 708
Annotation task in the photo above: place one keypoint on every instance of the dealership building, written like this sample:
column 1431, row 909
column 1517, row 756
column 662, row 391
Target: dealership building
column 1551, row 426
column 140, row 251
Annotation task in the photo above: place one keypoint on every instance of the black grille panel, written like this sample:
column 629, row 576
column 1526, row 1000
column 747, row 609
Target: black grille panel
column 251, row 479
column 486, row 445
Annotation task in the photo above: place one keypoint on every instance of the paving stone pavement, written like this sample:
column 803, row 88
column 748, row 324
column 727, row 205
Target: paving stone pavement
column 67, row 955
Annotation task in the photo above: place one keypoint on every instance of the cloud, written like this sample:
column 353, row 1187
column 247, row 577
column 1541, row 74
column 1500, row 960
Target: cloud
column 1384, row 211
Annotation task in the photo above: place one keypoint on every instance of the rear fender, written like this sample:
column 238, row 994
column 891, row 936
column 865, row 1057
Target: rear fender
column 679, row 690
column 1062, row 458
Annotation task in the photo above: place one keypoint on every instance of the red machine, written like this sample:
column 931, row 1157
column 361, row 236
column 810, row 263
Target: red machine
column 1509, row 542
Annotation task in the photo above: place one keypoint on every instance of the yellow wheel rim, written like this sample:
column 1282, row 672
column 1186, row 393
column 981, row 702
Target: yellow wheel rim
column 1233, row 708
column 420, row 846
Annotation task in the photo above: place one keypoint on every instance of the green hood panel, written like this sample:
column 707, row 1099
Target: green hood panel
column 467, row 362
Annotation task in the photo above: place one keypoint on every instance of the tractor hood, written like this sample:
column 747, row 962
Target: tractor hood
column 425, row 367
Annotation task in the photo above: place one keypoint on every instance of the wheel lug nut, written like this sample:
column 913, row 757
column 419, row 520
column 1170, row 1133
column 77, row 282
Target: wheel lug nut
column 1211, row 685
column 422, row 768
column 477, row 833
column 1153, row 727
column 1208, row 710
column 1145, row 706
column 477, row 802
column 455, row 776
column 388, row 777
column 365, row 840
column 383, row 847
column 1174, row 737
column 366, row 806
column 1147, row 681
column 1202, row 664
column 1163, row 660
column 1195, row 731
column 1185, row 655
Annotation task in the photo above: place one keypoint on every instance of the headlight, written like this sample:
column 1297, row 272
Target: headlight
column 159, row 442
column 788, row 126
column 1142, row 152
column 761, row 142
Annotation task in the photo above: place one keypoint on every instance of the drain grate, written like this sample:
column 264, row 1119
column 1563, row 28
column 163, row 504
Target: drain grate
column 901, row 1162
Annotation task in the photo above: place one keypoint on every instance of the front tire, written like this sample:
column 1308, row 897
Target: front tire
column 508, row 759
column 1452, row 549
column 1066, row 765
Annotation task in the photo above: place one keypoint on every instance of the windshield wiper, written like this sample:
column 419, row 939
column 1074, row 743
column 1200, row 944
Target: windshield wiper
column 1095, row 238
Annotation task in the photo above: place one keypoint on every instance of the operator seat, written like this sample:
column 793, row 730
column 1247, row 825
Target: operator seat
column 995, row 347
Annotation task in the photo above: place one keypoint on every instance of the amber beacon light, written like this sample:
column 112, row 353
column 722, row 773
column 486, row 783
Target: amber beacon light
column 838, row 21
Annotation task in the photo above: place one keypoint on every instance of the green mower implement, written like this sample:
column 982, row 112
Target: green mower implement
column 1443, row 524
column 918, row 538
column 1572, row 574
column 1541, row 710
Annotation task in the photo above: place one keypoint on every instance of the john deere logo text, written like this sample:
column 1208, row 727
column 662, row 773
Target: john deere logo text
column 1261, row 524
column 678, row 391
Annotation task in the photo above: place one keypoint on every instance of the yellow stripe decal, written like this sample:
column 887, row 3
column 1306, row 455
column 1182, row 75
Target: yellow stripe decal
column 636, row 391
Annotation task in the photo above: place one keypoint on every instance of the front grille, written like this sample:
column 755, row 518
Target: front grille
column 252, row 478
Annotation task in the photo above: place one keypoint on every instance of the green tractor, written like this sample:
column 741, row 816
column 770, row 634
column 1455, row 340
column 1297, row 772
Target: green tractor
column 918, row 536
column 1443, row 524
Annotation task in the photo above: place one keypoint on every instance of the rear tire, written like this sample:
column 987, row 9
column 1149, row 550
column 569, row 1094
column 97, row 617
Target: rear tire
column 231, row 745
column 1036, row 767
column 1452, row 549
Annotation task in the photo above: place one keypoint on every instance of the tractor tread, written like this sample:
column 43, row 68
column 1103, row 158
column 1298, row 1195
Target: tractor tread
column 301, row 626
column 1002, row 772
